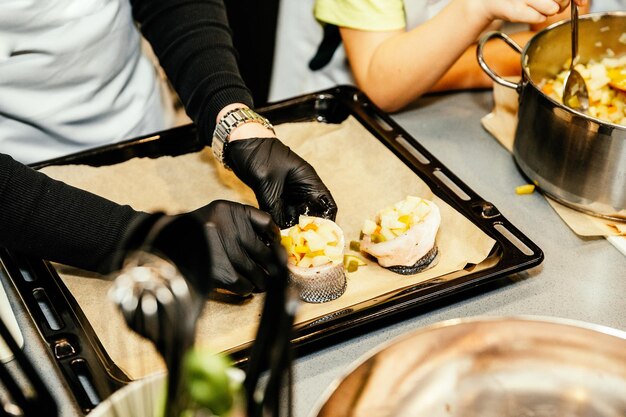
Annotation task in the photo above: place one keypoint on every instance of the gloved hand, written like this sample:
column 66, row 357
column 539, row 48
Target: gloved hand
column 244, row 244
column 285, row 185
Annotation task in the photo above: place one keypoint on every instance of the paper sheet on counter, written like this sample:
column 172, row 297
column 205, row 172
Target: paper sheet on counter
column 8, row 317
column 501, row 123
column 363, row 175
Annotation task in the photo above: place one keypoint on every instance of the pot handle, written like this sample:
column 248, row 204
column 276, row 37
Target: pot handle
column 481, row 59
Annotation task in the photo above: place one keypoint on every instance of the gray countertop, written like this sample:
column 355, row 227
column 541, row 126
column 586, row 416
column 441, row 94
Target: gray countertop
column 580, row 278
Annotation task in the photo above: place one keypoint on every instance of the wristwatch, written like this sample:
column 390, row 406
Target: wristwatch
column 228, row 123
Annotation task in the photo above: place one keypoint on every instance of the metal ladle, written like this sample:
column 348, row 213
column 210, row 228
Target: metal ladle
column 575, row 94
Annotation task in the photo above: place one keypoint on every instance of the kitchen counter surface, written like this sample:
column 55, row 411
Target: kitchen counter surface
column 580, row 278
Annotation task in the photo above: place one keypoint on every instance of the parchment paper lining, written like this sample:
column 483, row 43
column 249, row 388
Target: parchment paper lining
column 363, row 176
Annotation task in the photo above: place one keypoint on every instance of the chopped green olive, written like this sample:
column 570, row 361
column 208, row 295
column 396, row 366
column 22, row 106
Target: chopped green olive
column 355, row 246
column 352, row 266
column 377, row 238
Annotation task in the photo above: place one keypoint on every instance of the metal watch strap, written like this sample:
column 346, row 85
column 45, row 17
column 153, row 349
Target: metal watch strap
column 228, row 123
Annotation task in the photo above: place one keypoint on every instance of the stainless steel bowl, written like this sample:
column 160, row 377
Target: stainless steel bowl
column 577, row 159
column 522, row 367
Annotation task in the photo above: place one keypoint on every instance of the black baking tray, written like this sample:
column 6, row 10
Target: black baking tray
column 92, row 375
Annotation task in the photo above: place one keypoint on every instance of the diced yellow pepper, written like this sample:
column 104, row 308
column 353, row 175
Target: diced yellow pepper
column 525, row 189
column 301, row 249
column 310, row 226
column 618, row 78
column 406, row 219
column 286, row 241
column 315, row 253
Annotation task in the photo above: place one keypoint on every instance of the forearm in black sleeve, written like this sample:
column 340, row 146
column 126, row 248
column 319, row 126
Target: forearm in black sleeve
column 49, row 219
column 193, row 42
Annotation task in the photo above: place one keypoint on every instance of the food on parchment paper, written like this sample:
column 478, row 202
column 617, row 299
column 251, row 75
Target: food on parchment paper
column 606, row 83
column 315, row 258
column 402, row 237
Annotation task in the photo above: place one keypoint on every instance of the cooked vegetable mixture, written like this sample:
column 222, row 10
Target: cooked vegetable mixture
column 606, row 83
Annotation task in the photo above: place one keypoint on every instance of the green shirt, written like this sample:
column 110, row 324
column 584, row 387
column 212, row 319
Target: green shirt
column 374, row 15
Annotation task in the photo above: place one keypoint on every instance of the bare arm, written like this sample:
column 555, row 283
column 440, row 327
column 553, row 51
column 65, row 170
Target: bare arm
column 396, row 67
column 465, row 73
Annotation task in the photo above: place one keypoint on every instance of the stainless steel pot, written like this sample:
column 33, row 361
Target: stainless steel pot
column 577, row 159
column 488, row 367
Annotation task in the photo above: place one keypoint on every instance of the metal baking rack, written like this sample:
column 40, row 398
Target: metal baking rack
column 90, row 372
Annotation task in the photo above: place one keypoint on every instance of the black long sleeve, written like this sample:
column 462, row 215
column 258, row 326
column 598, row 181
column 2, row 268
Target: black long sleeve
column 193, row 42
column 49, row 219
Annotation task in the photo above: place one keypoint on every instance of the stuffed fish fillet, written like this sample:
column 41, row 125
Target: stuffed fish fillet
column 403, row 237
column 315, row 258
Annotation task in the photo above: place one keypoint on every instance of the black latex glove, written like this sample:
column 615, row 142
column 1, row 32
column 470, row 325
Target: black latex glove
column 244, row 244
column 285, row 185
column 180, row 239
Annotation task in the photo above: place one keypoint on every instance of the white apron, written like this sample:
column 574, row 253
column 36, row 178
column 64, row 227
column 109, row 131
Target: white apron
column 72, row 76
column 298, row 37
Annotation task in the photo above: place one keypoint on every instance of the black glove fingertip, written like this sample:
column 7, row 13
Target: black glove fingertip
column 240, row 286
column 289, row 216
column 329, row 207
column 263, row 225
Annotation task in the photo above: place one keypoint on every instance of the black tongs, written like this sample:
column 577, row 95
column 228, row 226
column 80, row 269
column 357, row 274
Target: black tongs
column 272, row 350
column 180, row 240
column 161, row 290
column 32, row 400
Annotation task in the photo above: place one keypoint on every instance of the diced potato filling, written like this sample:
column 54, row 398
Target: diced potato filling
column 312, row 242
column 606, row 84
column 393, row 221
